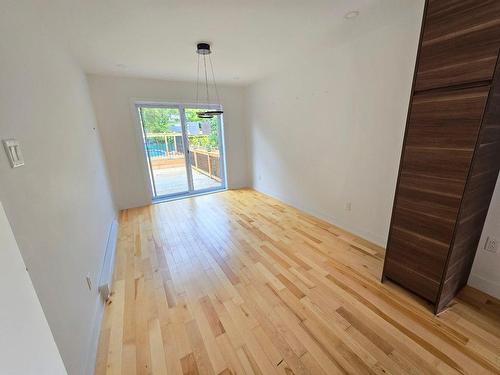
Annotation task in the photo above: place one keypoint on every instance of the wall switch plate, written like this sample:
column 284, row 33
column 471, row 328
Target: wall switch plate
column 348, row 206
column 491, row 244
column 13, row 152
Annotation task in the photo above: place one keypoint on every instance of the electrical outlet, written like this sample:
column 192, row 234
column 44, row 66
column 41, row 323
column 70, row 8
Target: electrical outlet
column 348, row 206
column 89, row 282
column 491, row 244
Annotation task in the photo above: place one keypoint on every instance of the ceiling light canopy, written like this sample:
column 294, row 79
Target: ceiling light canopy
column 203, row 50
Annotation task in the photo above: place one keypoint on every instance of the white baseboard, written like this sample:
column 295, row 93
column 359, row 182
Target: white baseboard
column 106, row 274
column 376, row 239
column 487, row 286
column 108, row 264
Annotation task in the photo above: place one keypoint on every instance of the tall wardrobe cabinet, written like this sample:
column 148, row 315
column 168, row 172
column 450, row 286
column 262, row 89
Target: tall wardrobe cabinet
column 451, row 150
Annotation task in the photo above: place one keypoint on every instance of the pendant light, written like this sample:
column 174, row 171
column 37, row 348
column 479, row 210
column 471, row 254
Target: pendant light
column 203, row 50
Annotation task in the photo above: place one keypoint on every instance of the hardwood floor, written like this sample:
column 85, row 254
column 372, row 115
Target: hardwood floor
column 239, row 283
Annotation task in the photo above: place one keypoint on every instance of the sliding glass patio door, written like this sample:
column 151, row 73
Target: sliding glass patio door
column 184, row 153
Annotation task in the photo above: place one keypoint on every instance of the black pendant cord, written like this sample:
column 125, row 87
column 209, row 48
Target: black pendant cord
column 215, row 82
column 204, row 49
column 206, row 78
column 197, row 80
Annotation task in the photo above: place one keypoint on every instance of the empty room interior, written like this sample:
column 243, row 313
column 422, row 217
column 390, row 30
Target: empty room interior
column 249, row 187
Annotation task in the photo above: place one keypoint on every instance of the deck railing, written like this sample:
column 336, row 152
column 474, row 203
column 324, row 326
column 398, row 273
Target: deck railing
column 206, row 162
column 166, row 151
column 165, row 145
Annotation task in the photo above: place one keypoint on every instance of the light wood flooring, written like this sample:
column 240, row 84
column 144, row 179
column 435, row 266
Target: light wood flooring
column 239, row 283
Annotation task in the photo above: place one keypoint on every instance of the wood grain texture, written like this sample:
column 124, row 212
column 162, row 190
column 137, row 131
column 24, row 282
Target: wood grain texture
column 441, row 135
column 450, row 155
column 460, row 43
column 476, row 199
column 239, row 283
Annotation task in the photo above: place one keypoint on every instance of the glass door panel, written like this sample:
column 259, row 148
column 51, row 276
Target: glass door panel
column 204, row 139
column 184, row 152
column 164, row 145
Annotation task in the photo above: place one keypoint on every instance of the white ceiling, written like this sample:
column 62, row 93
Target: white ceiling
column 157, row 39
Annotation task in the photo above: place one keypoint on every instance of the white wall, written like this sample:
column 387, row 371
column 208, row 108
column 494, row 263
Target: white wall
column 113, row 99
column 26, row 343
column 328, row 130
column 485, row 273
column 59, row 204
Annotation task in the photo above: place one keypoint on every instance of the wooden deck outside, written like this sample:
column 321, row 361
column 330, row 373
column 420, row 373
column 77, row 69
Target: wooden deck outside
column 171, row 177
column 239, row 283
column 174, row 180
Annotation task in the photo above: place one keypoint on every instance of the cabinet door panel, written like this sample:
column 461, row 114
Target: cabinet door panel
column 460, row 43
column 425, row 256
column 432, row 227
column 439, row 205
column 442, row 131
column 448, row 164
column 449, row 119
column 412, row 280
column 436, row 185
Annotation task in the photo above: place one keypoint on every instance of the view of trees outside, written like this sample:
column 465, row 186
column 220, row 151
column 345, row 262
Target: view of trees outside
column 167, row 120
column 160, row 120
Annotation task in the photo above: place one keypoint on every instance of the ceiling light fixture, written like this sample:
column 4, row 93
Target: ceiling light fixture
column 352, row 14
column 203, row 50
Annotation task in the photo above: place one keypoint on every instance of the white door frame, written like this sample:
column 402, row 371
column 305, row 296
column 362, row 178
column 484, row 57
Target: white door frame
column 187, row 153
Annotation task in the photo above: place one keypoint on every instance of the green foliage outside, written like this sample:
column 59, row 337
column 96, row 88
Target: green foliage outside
column 159, row 120
column 162, row 120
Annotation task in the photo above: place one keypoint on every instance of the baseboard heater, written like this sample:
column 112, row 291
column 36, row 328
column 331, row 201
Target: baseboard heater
column 106, row 278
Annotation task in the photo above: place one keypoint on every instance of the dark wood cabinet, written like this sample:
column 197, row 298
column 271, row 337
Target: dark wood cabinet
column 459, row 43
column 451, row 150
